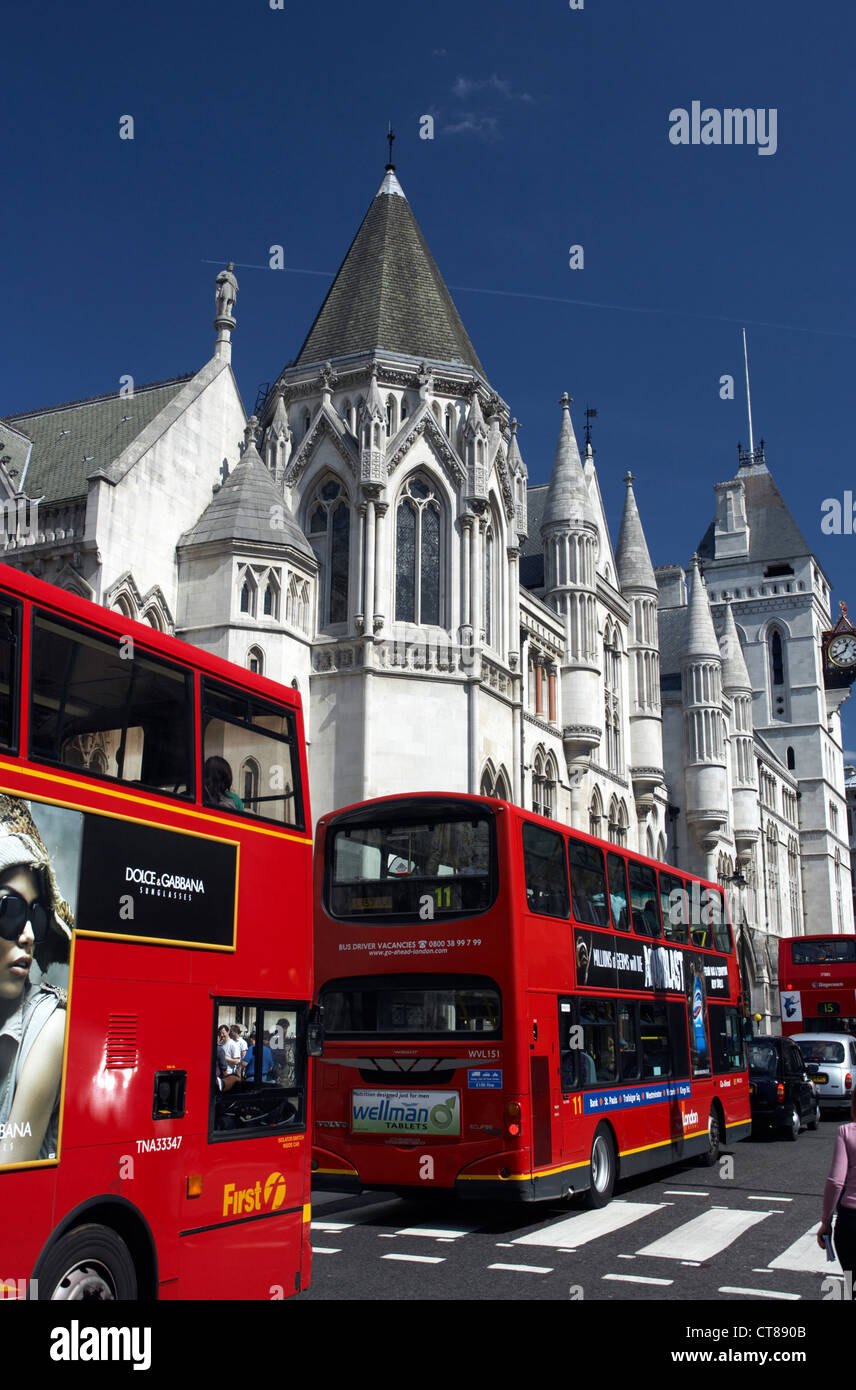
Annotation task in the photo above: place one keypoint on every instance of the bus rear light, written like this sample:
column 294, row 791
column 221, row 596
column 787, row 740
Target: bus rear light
column 780, row 1092
column 194, row 1185
column 513, row 1119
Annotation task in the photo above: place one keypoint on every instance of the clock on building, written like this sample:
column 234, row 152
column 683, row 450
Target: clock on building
column 839, row 649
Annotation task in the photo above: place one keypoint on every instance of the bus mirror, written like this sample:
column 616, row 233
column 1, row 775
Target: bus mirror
column 315, row 1032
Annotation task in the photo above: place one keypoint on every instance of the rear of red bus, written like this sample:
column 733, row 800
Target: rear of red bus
column 425, row 1076
column 817, row 984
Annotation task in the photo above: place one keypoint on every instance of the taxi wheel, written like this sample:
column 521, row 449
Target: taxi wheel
column 815, row 1121
column 792, row 1123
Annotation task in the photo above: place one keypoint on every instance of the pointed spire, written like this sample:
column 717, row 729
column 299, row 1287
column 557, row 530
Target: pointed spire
column 373, row 405
column 632, row 559
column 701, row 635
column 249, row 451
column 567, row 496
column 735, row 675
column 515, row 458
column 475, row 419
column 279, row 423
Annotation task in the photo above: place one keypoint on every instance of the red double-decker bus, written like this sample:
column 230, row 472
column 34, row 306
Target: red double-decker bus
column 512, row 1009
column 817, row 984
column 155, row 963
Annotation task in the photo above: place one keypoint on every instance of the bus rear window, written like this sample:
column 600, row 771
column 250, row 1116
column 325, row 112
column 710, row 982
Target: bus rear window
column 402, row 1007
column 411, row 870
column 823, row 952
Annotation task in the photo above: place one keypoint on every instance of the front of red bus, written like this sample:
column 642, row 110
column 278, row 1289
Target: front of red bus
column 420, row 1085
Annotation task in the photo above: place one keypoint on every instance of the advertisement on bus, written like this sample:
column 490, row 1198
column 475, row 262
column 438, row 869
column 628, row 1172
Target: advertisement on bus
column 40, row 857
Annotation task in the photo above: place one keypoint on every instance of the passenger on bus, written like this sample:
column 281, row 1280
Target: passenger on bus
column 35, row 932
column 217, row 785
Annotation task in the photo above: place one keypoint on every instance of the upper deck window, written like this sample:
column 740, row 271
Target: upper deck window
column 251, row 763
column 104, row 708
column 824, row 952
column 412, row 870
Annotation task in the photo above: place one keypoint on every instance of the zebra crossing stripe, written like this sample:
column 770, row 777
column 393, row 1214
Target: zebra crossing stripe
column 806, row 1257
column 574, row 1231
column 705, row 1236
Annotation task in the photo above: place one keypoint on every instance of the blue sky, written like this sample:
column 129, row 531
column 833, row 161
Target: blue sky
column 256, row 127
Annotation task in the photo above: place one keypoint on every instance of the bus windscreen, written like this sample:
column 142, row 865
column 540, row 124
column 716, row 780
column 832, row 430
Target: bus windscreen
column 411, row 870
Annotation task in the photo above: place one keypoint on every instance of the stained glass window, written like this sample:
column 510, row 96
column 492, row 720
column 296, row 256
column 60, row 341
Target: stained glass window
column 418, row 558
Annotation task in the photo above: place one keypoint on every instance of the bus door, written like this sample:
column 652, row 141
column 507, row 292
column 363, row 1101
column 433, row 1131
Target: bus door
column 546, row 1098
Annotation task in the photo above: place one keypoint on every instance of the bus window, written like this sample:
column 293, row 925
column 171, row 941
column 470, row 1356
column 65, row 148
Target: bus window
column 545, row 872
column 599, row 1054
column 250, row 757
column 643, row 899
column 618, row 900
column 824, row 952
column 105, row 711
column 10, row 667
column 257, row 1087
column 719, row 917
column 394, row 869
column 398, row 1007
column 654, row 1035
column 570, row 1070
column 726, row 1038
column 628, row 1046
column 675, row 908
column 588, row 884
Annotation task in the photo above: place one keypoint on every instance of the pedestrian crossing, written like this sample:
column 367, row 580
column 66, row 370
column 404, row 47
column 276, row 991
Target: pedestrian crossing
column 690, row 1241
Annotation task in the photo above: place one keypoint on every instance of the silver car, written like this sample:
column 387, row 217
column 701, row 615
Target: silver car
column 830, row 1060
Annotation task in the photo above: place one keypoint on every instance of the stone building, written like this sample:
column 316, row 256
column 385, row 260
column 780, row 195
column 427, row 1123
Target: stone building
column 371, row 537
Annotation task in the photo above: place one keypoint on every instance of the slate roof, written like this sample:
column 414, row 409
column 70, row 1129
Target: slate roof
column 773, row 533
column 74, row 440
column 672, row 627
column 240, row 510
column 388, row 293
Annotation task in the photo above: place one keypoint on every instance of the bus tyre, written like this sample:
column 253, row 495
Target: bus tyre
column 89, row 1263
column 714, row 1139
column 603, row 1169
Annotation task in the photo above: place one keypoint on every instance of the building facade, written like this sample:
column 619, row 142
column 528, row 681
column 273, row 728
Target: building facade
column 370, row 536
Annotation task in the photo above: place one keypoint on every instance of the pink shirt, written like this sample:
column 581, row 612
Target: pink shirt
column 841, row 1183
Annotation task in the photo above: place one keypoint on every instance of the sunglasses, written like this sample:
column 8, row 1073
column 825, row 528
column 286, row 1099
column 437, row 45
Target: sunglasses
column 16, row 912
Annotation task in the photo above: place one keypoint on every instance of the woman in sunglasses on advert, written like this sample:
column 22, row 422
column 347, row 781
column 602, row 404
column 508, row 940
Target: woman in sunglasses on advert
column 35, row 932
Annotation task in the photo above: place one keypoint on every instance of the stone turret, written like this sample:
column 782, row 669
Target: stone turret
column 278, row 440
column 701, row 672
column 737, row 685
column 639, row 587
column 520, row 475
column 571, row 543
column 372, row 434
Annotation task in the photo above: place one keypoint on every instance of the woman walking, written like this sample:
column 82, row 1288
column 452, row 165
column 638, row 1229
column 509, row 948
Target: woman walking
column 840, row 1194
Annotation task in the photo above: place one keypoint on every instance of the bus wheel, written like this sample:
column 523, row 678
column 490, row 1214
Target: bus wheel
column 89, row 1263
column 603, row 1169
column 714, row 1139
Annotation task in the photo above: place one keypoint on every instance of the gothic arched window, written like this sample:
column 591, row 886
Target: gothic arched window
column 270, row 603
column 778, row 683
column 595, row 814
column 418, row 554
column 256, row 661
column 249, row 783
column 330, row 538
column 248, row 591
column 792, row 762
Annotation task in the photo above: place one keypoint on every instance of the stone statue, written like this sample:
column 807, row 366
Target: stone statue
column 227, row 290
